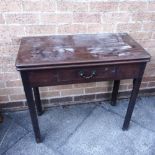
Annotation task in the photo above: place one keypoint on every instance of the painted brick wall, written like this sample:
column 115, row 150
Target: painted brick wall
column 45, row 17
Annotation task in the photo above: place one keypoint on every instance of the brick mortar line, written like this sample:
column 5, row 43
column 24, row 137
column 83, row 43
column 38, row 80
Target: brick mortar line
column 109, row 92
column 74, row 12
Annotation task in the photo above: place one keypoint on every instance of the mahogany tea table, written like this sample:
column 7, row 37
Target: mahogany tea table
column 66, row 59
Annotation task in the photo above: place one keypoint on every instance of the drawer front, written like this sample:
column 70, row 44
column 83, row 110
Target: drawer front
column 83, row 74
column 87, row 74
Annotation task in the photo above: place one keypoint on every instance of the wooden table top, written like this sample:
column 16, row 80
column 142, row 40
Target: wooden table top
column 60, row 50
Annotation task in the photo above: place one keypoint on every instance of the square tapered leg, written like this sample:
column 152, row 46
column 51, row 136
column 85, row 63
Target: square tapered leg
column 132, row 102
column 31, row 106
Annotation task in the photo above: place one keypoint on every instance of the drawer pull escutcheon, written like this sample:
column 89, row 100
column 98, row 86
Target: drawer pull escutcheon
column 82, row 74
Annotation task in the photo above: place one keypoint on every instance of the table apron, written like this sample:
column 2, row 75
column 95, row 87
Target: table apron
column 50, row 77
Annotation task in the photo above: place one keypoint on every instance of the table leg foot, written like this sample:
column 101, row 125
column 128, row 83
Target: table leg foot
column 38, row 140
column 125, row 127
column 40, row 113
column 113, row 103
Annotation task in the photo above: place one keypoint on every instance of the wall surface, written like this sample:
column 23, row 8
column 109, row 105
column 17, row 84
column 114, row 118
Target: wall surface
column 46, row 17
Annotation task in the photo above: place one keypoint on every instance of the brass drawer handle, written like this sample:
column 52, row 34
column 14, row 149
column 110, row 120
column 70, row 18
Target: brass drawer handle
column 82, row 74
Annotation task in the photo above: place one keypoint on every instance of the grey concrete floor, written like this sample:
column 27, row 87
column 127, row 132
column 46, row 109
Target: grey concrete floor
column 86, row 129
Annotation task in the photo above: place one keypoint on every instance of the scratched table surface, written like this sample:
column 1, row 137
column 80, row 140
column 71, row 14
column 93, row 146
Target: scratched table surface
column 78, row 49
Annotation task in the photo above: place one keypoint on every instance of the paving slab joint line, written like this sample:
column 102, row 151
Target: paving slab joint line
column 6, row 132
column 143, row 126
column 124, row 117
column 15, row 143
column 16, row 121
column 54, row 150
column 111, row 111
column 78, row 126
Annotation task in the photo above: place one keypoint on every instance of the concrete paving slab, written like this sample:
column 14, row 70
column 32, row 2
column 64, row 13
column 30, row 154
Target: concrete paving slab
column 86, row 129
column 10, row 133
column 65, row 122
column 23, row 119
column 57, row 123
column 101, row 134
column 143, row 114
column 27, row 146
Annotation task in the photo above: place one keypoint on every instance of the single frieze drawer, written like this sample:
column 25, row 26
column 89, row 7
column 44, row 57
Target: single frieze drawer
column 86, row 74
column 82, row 74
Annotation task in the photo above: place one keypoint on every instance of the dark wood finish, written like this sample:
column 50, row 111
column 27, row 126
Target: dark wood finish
column 67, row 59
column 37, row 101
column 134, row 94
column 131, row 103
column 115, row 92
column 68, row 50
column 31, row 105
column 47, row 77
column 1, row 118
